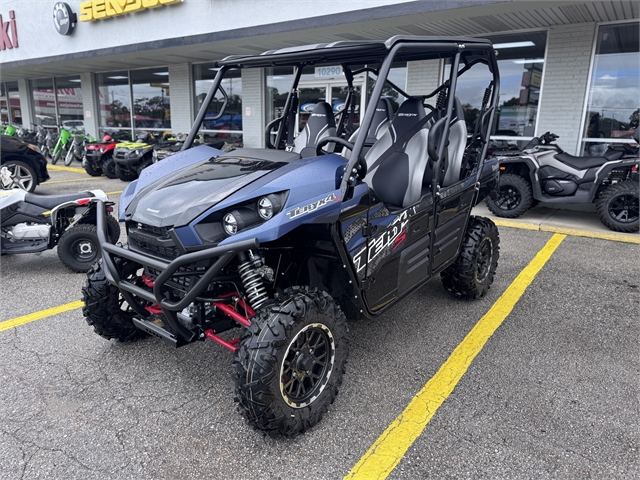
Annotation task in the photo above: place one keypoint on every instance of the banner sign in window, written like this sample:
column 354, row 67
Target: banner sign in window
column 99, row 9
column 328, row 72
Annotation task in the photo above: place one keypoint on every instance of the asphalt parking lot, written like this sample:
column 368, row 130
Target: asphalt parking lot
column 552, row 394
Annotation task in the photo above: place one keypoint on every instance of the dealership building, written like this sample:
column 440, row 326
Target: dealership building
column 129, row 66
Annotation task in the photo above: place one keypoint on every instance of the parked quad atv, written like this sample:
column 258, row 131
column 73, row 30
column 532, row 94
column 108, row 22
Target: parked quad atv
column 287, row 243
column 133, row 157
column 98, row 158
column 543, row 173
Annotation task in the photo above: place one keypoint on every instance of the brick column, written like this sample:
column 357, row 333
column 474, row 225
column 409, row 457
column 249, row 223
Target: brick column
column 423, row 76
column 253, row 98
column 26, row 103
column 564, row 87
column 89, row 110
column 181, row 94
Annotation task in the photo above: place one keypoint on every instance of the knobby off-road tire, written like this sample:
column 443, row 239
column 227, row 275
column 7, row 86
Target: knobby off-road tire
column 79, row 247
column 89, row 168
column 124, row 175
column 471, row 275
column 55, row 157
column 291, row 362
column 104, row 308
column 109, row 168
column 617, row 207
column 113, row 229
column 514, row 197
column 69, row 157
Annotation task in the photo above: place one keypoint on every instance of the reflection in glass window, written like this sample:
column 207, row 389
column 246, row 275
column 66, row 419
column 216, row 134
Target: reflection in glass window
column 44, row 102
column 520, row 61
column 228, row 128
column 613, row 103
column 15, row 110
column 114, row 104
column 151, row 99
column 70, row 108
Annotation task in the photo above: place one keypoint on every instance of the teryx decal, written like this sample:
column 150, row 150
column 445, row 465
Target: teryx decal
column 312, row 207
column 381, row 246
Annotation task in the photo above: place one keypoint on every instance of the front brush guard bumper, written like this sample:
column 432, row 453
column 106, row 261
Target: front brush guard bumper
column 224, row 255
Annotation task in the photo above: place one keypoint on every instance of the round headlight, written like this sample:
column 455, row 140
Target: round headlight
column 230, row 224
column 265, row 208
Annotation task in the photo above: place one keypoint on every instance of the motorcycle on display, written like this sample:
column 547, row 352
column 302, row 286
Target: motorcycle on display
column 62, row 146
column 98, row 157
column 34, row 223
column 543, row 173
column 133, row 157
column 77, row 148
column 50, row 141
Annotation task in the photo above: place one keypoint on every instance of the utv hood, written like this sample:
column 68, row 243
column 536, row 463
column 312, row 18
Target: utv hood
column 183, row 195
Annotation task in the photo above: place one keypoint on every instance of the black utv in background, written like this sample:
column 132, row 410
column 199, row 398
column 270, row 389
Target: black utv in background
column 284, row 244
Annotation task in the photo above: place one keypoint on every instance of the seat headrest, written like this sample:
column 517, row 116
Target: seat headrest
column 409, row 113
column 320, row 119
column 384, row 112
column 458, row 111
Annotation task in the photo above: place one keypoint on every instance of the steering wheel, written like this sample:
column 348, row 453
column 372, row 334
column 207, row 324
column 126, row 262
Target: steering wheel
column 360, row 169
column 267, row 132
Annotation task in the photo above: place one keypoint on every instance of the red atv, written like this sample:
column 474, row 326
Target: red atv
column 98, row 158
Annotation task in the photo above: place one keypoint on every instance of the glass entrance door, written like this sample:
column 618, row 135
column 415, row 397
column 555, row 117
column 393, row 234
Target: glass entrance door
column 332, row 92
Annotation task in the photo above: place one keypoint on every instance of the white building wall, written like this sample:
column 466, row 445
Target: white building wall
column 253, row 98
column 564, row 87
column 181, row 94
column 91, row 114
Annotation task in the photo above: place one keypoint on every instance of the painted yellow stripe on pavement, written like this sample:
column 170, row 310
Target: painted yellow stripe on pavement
column 614, row 237
column 60, row 168
column 7, row 324
column 73, row 180
column 115, row 193
column 387, row 451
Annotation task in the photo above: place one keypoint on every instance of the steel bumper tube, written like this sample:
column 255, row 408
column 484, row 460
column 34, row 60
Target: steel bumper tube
column 224, row 254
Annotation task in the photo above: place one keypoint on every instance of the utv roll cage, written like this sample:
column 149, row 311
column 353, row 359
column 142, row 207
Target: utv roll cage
column 376, row 57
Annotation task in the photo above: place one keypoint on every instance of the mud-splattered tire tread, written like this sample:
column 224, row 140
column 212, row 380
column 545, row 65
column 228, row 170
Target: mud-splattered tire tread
column 460, row 278
column 102, row 311
column 262, row 346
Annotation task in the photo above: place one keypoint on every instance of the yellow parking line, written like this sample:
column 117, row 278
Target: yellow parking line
column 7, row 324
column 60, row 168
column 391, row 446
column 73, row 180
column 615, row 237
column 115, row 193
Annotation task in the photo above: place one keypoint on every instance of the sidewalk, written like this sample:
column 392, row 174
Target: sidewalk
column 571, row 222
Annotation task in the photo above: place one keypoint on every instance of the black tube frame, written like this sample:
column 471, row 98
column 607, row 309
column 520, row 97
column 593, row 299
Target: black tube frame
column 224, row 255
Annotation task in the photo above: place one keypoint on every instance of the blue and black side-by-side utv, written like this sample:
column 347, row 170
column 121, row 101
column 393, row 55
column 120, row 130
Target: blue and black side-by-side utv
column 334, row 221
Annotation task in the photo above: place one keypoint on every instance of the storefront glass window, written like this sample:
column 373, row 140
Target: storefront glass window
column 114, row 104
column 151, row 99
column 520, row 61
column 13, row 98
column 44, row 102
column 4, row 104
column 613, row 103
column 70, row 108
column 316, row 85
column 228, row 128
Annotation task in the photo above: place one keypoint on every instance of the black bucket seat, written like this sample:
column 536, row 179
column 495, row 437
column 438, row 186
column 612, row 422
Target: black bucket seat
column 320, row 124
column 397, row 180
